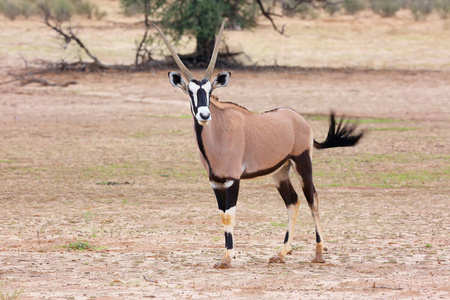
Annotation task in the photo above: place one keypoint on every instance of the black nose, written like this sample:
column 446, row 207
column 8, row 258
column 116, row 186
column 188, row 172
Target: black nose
column 205, row 116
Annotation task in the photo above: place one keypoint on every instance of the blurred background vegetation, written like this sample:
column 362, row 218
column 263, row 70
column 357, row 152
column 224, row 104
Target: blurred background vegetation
column 200, row 19
column 182, row 16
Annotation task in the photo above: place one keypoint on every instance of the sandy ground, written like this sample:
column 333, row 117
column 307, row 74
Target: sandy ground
column 157, row 233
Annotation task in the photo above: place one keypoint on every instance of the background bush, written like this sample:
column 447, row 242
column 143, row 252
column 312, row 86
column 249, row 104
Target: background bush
column 332, row 8
column 421, row 8
column 305, row 11
column 62, row 10
column 9, row 9
column 386, row 8
column 352, row 7
column 443, row 8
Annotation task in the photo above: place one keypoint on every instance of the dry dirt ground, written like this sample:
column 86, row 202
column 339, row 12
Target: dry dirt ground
column 156, row 233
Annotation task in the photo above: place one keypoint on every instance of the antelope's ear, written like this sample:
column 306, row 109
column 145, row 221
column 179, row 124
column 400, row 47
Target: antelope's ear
column 221, row 80
column 177, row 80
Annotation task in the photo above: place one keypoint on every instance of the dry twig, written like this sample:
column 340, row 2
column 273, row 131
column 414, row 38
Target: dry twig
column 385, row 287
column 27, row 79
column 69, row 36
column 269, row 15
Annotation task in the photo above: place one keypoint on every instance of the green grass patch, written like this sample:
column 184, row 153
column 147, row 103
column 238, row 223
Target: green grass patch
column 278, row 224
column 10, row 295
column 354, row 120
column 383, row 170
column 82, row 245
column 182, row 172
column 6, row 161
column 394, row 129
column 394, row 179
column 139, row 135
column 374, row 121
column 88, row 216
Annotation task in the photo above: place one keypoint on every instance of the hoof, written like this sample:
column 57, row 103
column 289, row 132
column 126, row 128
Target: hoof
column 276, row 260
column 224, row 264
column 317, row 260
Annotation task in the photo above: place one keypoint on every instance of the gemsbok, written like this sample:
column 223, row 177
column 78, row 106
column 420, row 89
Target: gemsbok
column 236, row 144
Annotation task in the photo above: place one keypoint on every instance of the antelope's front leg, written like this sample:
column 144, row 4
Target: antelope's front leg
column 226, row 195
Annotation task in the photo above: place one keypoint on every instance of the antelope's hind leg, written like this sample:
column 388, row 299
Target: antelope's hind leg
column 290, row 199
column 303, row 166
column 226, row 195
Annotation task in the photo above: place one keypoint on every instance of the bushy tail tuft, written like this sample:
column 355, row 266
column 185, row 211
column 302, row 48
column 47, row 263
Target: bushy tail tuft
column 342, row 136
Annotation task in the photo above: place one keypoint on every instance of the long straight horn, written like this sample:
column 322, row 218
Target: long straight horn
column 212, row 63
column 175, row 56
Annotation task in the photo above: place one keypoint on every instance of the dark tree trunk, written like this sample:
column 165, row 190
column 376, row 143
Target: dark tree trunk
column 204, row 49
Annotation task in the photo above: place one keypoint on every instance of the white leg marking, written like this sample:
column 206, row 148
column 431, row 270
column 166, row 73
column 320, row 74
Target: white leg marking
column 217, row 185
column 229, row 220
column 229, row 183
column 282, row 175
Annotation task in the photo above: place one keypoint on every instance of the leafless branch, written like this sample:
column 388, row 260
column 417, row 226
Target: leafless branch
column 268, row 15
column 9, row 81
column 141, row 50
column 30, row 79
column 386, row 287
column 292, row 6
column 69, row 35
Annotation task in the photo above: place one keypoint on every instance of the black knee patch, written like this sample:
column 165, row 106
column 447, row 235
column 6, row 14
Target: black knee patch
column 232, row 193
column 318, row 240
column 286, row 237
column 228, row 240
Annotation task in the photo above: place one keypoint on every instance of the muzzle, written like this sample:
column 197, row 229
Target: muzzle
column 203, row 115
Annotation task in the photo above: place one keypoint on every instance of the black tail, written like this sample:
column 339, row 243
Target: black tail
column 342, row 136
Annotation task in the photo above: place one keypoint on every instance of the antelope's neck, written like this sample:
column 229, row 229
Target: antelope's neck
column 206, row 135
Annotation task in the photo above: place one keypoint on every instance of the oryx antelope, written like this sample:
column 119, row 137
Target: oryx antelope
column 236, row 144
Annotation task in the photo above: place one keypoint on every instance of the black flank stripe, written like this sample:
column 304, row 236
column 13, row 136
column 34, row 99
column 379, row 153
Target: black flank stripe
column 198, row 133
column 266, row 171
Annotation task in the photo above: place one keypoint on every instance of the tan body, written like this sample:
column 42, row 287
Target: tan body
column 240, row 144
